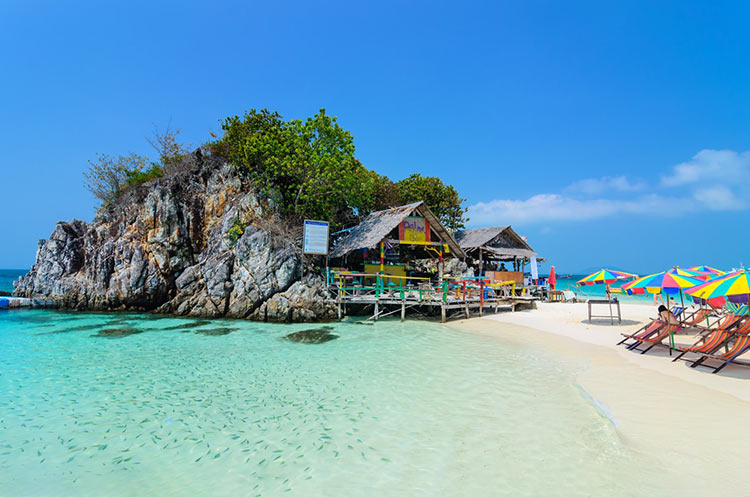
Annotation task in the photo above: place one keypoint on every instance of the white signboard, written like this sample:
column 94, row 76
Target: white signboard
column 316, row 237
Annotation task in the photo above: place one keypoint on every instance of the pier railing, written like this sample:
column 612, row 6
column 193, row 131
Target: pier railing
column 349, row 287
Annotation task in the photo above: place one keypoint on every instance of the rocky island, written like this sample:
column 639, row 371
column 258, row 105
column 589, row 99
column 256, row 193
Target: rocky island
column 168, row 248
column 216, row 232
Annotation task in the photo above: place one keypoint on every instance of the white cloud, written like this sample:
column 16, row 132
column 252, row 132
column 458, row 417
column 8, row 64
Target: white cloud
column 716, row 180
column 598, row 186
column 554, row 207
column 719, row 198
column 712, row 166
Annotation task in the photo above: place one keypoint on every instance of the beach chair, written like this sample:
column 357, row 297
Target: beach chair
column 697, row 317
column 725, row 323
column 656, row 339
column 739, row 347
column 707, row 344
column 643, row 333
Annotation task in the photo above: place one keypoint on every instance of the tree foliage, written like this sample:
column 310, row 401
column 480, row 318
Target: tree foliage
column 310, row 164
column 109, row 177
column 442, row 199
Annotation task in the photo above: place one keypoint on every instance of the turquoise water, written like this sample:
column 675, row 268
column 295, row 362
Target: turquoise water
column 8, row 276
column 598, row 291
column 186, row 407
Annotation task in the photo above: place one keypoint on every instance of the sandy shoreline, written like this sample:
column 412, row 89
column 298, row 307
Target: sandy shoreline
column 691, row 421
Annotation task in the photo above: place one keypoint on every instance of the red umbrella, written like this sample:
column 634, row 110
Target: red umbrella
column 552, row 278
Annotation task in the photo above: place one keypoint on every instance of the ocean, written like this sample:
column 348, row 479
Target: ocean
column 8, row 276
column 598, row 291
column 135, row 404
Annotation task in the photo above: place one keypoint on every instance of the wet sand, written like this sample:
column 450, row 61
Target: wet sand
column 691, row 421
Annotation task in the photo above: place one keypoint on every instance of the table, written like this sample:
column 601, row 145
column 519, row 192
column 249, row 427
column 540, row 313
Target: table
column 608, row 302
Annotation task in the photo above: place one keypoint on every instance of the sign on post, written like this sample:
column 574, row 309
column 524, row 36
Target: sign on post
column 315, row 238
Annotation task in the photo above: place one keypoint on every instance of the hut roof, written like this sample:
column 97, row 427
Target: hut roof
column 498, row 240
column 376, row 226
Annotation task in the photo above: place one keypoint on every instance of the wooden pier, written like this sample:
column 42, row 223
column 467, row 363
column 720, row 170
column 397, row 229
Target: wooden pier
column 452, row 298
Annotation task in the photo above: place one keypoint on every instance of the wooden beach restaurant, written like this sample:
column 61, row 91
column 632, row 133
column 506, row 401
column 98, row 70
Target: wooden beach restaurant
column 395, row 260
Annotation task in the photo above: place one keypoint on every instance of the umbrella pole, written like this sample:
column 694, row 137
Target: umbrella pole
column 671, row 335
column 609, row 300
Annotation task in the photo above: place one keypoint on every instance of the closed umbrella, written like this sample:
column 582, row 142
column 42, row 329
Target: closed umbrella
column 552, row 278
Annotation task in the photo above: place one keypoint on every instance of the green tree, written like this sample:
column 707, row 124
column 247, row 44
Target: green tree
column 442, row 199
column 310, row 163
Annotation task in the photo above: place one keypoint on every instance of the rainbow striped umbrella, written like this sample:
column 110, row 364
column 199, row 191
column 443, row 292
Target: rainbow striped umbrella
column 706, row 272
column 673, row 281
column 606, row 277
column 732, row 287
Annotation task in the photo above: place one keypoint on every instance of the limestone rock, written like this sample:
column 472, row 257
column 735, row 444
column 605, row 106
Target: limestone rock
column 166, row 247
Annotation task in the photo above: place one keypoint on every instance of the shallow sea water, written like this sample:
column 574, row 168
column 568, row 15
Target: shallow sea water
column 188, row 407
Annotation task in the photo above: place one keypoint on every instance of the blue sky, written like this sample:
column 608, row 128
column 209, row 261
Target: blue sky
column 610, row 135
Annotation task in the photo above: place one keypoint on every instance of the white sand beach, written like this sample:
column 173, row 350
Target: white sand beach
column 691, row 421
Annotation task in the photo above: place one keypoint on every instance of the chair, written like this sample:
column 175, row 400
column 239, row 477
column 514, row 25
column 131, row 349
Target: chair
column 739, row 347
column 653, row 341
column 643, row 333
column 725, row 323
column 696, row 318
column 707, row 344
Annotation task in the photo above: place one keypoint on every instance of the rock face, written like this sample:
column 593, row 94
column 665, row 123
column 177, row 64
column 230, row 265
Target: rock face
column 166, row 247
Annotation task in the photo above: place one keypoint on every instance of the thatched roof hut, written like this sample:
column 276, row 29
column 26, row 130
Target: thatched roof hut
column 499, row 243
column 394, row 226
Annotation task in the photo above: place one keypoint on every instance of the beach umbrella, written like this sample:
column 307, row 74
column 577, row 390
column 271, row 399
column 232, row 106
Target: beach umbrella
column 733, row 287
column 706, row 272
column 606, row 277
column 552, row 278
column 673, row 281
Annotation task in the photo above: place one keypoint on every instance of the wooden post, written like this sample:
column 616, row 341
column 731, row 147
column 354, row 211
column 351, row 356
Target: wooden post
column 403, row 301
column 339, row 299
column 481, row 263
column 376, row 310
column 442, row 312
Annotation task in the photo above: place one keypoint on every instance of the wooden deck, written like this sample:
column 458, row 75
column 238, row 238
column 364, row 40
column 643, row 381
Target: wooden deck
column 450, row 299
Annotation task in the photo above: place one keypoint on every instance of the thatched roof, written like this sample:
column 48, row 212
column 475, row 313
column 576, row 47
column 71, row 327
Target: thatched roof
column 370, row 232
column 500, row 241
column 478, row 237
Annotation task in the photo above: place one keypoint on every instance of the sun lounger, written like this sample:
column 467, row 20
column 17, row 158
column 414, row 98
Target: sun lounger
column 739, row 347
column 697, row 317
column 642, row 333
column 707, row 344
column 656, row 339
column 725, row 323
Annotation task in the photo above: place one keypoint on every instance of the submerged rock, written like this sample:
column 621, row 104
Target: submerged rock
column 189, row 326
column 318, row 335
column 214, row 332
column 165, row 247
column 117, row 332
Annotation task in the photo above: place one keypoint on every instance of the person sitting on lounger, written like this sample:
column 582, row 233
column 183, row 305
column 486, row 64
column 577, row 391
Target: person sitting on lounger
column 666, row 315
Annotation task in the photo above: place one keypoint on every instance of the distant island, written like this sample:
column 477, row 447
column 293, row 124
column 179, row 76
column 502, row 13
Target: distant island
column 216, row 231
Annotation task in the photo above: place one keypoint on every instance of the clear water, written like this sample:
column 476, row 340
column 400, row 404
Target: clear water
column 387, row 409
column 8, row 276
column 598, row 291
